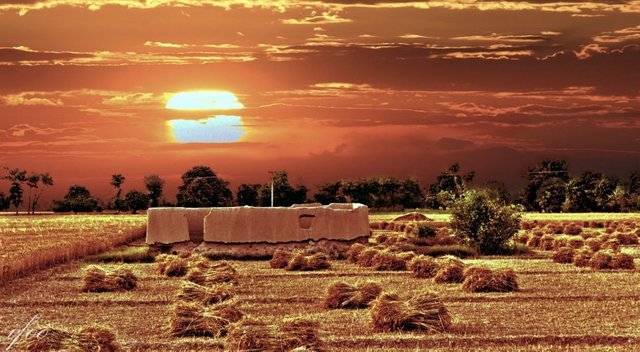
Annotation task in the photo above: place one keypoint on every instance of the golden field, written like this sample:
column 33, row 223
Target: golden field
column 31, row 242
column 559, row 307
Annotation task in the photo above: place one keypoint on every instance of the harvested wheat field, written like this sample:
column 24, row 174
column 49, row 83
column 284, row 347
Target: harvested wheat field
column 554, row 306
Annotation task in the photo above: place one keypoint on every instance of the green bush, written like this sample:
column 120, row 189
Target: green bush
column 424, row 230
column 483, row 222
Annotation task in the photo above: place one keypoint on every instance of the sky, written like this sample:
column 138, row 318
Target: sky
column 324, row 89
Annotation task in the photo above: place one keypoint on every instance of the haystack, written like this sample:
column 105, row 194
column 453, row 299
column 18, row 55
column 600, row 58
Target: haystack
column 194, row 319
column 623, row 261
column 354, row 252
column 611, row 244
column 280, row 259
column 593, row 243
column 546, row 242
column 483, row 279
column 575, row 242
column 192, row 292
column 291, row 334
column 582, row 256
column 365, row 257
column 388, row 261
column 85, row 339
column 346, row 296
column 601, row 260
column 423, row 266
column 450, row 270
column 213, row 275
column 97, row 279
column 301, row 262
column 534, row 241
column 423, row 311
column 564, row 255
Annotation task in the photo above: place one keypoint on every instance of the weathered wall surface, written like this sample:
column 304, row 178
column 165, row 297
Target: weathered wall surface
column 253, row 225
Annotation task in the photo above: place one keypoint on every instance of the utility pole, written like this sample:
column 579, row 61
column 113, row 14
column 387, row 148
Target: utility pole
column 272, row 173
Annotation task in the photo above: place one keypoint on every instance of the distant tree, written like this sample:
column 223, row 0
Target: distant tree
column 248, row 194
column 410, row 193
column 17, row 177
column 203, row 188
column 537, row 175
column 329, row 193
column 552, row 195
column 136, row 200
column 155, row 186
column 283, row 193
column 484, row 222
column 117, row 180
column 591, row 191
column 448, row 187
column 33, row 181
column 5, row 202
column 78, row 199
column 498, row 189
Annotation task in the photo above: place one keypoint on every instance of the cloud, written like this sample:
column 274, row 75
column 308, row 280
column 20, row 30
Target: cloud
column 30, row 99
column 22, row 54
column 510, row 38
column 327, row 17
column 619, row 36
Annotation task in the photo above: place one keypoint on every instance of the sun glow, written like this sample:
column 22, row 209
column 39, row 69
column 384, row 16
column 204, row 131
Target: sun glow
column 204, row 100
column 217, row 129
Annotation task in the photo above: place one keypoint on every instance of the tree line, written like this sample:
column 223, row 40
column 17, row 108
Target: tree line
column 549, row 188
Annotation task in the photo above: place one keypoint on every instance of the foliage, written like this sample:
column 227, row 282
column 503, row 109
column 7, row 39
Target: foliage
column 117, row 180
column 448, row 187
column 537, row 175
column 551, row 195
column 485, row 223
column 424, row 229
column 248, row 194
column 136, row 200
column 590, row 192
column 378, row 192
column 17, row 177
column 155, row 186
column 78, row 199
column 5, row 202
column 202, row 188
column 283, row 193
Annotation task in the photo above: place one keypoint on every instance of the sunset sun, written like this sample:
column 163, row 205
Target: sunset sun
column 204, row 100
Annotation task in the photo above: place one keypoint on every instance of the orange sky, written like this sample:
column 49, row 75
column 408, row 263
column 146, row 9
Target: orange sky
column 330, row 89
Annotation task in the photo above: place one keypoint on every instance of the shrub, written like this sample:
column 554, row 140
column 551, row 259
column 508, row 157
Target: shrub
column 346, row 296
column 563, row 255
column 423, row 229
column 484, row 222
column 423, row 311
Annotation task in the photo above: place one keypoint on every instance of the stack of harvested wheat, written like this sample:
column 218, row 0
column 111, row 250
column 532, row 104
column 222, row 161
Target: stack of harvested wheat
column 365, row 258
column 84, row 339
column 450, row 270
column 195, row 319
column 213, row 273
column 564, row 255
column 172, row 265
column 354, row 251
column 423, row 311
column 301, row 262
column 423, row 266
column 608, row 259
column 97, row 279
column 342, row 295
column 256, row 335
column 582, row 256
column 386, row 260
column 483, row 279
column 192, row 292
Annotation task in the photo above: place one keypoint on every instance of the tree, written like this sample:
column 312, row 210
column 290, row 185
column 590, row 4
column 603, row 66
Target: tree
column 409, row 193
column 202, row 188
column 5, row 202
column 136, row 200
column 17, row 177
column 329, row 193
column 248, row 194
column 283, row 193
column 117, row 180
column 551, row 195
column 498, row 189
column 537, row 175
column 155, row 186
column 78, row 199
column 448, row 187
column 591, row 191
column 33, row 181
column 484, row 222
